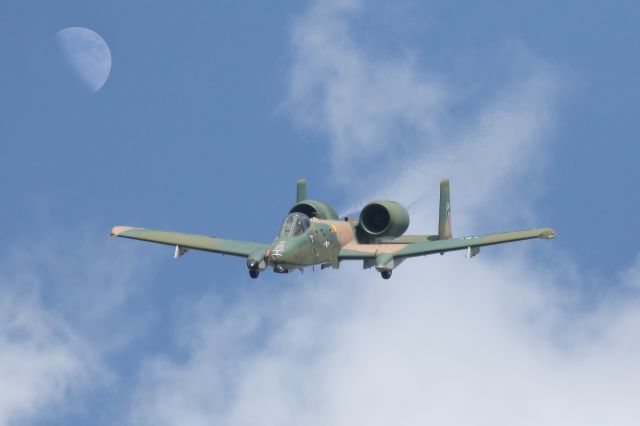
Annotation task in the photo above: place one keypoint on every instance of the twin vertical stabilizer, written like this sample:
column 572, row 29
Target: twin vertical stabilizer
column 444, row 223
column 301, row 193
column 444, row 216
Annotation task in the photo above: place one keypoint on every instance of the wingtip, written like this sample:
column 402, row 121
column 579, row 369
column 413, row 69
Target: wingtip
column 548, row 233
column 117, row 230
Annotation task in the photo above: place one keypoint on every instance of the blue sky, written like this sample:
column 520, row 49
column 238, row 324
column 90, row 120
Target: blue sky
column 210, row 114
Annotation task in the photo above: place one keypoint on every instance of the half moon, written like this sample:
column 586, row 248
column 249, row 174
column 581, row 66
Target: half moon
column 88, row 55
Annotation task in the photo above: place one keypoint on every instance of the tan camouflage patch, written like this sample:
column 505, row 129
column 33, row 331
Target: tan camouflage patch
column 343, row 230
column 117, row 230
column 375, row 248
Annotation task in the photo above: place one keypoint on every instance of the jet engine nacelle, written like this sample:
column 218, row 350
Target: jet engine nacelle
column 313, row 208
column 383, row 219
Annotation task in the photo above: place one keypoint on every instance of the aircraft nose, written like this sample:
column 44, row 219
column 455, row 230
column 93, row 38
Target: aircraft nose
column 286, row 256
column 278, row 251
column 284, row 253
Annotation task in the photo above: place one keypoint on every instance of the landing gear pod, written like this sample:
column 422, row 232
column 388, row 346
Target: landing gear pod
column 384, row 263
column 256, row 262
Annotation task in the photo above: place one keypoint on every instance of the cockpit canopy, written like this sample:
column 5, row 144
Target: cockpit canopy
column 294, row 224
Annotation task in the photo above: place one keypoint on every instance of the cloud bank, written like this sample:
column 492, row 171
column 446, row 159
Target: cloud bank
column 366, row 107
column 65, row 309
column 503, row 339
column 41, row 359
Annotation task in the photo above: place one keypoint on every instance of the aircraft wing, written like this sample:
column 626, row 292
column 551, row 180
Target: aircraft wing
column 190, row 241
column 402, row 251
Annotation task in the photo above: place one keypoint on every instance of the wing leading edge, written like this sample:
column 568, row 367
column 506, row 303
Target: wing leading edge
column 401, row 251
column 190, row 241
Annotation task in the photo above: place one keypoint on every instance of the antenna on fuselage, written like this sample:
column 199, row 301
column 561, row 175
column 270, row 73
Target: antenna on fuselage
column 301, row 193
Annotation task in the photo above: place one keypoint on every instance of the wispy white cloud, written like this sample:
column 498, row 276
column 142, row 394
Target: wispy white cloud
column 390, row 115
column 631, row 277
column 502, row 339
column 449, row 341
column 41, row 358
column 64, row 308
column 489, row 158
column 365, row 106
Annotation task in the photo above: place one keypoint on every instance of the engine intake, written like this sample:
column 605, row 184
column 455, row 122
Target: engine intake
column 383, row 219
column 314, row 208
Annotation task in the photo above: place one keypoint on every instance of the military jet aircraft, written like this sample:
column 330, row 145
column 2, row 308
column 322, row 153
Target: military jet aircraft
column 313, row 234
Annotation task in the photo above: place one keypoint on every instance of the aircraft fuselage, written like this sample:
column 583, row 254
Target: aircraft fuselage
column 317, row 245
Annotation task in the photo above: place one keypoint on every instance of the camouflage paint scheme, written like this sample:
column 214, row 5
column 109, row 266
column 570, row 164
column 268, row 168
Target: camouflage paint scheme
column 312, row 234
